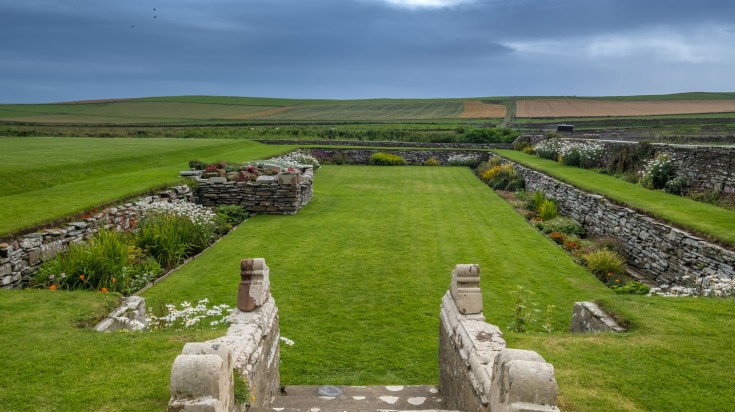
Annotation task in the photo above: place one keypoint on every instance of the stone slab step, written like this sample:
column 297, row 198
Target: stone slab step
column 356, row 398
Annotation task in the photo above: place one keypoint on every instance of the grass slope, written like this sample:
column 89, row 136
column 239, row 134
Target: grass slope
column 50, row 178
column 709, row 220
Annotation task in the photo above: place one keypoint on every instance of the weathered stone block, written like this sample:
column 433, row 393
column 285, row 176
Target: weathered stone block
column 465, row 288
column 588, row 317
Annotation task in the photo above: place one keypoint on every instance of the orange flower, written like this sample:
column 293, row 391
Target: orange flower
column 81, row 277
column 52, row 287
column 617, row 280
column 114, row 280
column 104, row 290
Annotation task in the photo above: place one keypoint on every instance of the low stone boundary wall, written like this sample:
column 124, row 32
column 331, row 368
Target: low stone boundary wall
column 416, row 157
column 476, row 370
column 664, row 254
column 587, row 317
column 364, row 143
column 704, row 167
column 21, row 257
column 266, row 196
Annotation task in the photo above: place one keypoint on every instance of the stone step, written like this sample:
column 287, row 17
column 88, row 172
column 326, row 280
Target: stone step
column 356, row 398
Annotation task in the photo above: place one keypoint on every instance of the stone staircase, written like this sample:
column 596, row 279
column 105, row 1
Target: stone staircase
column 356, row 399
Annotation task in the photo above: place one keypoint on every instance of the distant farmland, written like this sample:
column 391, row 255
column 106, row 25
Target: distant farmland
column 545, row 108
column 230, row 110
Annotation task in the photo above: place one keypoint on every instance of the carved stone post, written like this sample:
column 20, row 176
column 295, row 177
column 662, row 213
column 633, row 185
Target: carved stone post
column 465, row 288
column 254, row 285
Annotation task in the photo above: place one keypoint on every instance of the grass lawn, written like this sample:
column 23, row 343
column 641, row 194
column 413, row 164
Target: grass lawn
column 50, row 178
column 50, row 364
column 708, row 220
column 358, row 277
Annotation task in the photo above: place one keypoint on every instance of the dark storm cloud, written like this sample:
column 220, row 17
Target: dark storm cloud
column 79, row 49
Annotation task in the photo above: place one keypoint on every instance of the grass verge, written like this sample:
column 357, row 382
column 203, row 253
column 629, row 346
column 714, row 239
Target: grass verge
column 707, row 220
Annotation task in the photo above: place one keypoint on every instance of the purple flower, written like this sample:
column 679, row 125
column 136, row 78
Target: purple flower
column 51, row 277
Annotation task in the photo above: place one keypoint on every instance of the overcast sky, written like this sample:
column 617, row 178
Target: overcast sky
column 63, row 50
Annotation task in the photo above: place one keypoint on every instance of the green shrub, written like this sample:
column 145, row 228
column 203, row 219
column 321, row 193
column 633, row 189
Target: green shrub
column 386, row 159
column 561, row 224
column 197, row 165
column 571, row 157
column 657, row 172
column 231, row 215
column 628, row 158
column 548, row 209
column 603, row 262
column 610, row 243
column 631, row 288
column 432, row 161
column 676, row 185
column 171, row 238
column 489, row 135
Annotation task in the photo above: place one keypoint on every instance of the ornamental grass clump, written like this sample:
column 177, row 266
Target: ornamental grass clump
column 548, row 209
column 602, row 262
column 107, row 262
column 503, row 177
column 386, row 159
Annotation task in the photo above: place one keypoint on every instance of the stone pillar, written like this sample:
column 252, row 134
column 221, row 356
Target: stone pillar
column 465, row 288
column 522, row 381
column 201, row 379
column 254, row 285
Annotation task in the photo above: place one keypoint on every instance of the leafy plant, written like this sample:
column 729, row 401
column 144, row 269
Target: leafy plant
column 387, row 159
column 631, row 288
column 524, row 310
column 170, row 238
column 657, row 172
column 677, row 185
column 229, row 216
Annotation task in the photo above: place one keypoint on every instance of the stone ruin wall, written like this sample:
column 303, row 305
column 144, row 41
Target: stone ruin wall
column 22, row 256
column 413, row 157
column 664, row 254
column 364, row 143
column 264, row 197
column 704, row 167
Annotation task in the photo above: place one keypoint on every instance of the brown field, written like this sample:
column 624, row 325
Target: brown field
column 475, row 109
column 262, row 113
column 602, row 108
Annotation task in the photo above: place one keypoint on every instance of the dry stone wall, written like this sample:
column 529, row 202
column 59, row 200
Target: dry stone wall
column 387, row 144
column 704, row 167
column 266, row 196
column 416, row 157
column 21, row 256
column 664, row 254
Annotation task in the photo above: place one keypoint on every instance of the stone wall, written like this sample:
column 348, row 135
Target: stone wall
column 202, row 376
column 266, row 196
column 664, row 254
column 704, row 167
column 416, row 157
column 388, row 144
column 21, row 256
column 476, row 370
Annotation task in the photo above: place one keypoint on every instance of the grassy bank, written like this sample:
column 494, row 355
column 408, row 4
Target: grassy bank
column 705, row 219
column 43, row 179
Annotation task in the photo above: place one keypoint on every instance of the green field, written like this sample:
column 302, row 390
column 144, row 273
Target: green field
column 358, row 277
column 50, row 178
column 212, row 110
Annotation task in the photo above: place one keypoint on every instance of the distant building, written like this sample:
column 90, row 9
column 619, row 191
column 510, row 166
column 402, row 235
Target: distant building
column 566, row 128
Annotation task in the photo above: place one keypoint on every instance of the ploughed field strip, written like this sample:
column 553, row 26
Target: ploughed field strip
column 604, row 108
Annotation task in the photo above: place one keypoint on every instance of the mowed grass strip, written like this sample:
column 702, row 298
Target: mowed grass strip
column 705, row 219
column 50, row 178
column 358, row 274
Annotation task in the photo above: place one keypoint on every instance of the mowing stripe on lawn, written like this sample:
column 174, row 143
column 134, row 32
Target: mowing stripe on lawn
column 702, row 218
column 359, row 273
column 56, row 177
